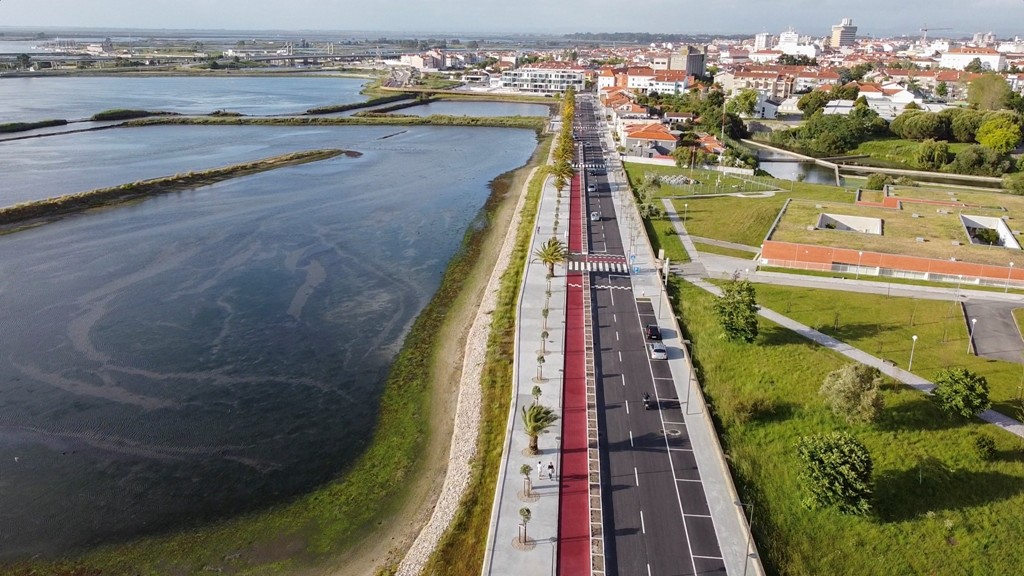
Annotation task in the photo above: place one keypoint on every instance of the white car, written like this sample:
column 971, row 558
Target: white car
column 592, row 188
column 658, row 351
column 595, row 216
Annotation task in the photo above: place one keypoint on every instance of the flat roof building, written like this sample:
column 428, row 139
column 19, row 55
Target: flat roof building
column 844, row 33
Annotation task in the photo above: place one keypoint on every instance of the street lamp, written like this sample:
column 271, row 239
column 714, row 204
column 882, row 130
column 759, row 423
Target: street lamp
column 685, row 207
column 910, row 365
column 860, row 256
column 1008, row 273
column 970, row 335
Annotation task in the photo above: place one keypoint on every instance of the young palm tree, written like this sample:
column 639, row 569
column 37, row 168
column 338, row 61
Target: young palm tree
column 536, row 420
column 551, row 252
column 526, row 515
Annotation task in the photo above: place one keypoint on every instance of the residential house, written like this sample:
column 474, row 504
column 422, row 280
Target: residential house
column 648, row 140
column 544, row 78
column 959, row 58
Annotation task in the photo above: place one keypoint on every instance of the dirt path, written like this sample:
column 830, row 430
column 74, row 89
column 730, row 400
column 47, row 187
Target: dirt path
column 396, row 534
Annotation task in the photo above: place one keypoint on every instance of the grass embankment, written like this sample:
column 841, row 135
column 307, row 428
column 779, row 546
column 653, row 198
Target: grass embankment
column 309, row 533
column 704, row 182
column 127, row 114
column 938, row 508
column 884, row 326
column 71, row 203
column 894, row 153
column 356, row 105
column 461, row 551
column 531, row 123
column 888, row 279
column 11, row 127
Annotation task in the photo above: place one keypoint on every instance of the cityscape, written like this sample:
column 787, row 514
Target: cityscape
column 556, row 299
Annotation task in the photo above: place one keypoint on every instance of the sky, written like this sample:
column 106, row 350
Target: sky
column 465, row 17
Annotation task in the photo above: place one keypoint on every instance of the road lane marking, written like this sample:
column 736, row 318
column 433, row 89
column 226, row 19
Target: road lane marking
column 637, row 474
column 697, row 515
column 648, row 570
column 630, row 438
column 627, row 406
column 643, row 527
column 616, row 335
column 708, row 557
column 620, row 360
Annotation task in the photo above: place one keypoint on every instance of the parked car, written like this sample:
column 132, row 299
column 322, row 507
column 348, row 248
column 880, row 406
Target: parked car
column 658, row 351
column 653, row 332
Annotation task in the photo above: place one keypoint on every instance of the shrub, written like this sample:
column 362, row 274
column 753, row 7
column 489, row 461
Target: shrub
column 837, row 471
column 853, row 392
column 878, row 181
column 1014, row 183
column 960, row 392
column 737, row 310
column 985, row 447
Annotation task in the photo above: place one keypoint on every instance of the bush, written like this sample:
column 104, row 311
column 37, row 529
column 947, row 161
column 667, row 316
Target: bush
column 985, row 447
column 737, row 311
column 837, row 471
column 1014, row 183
column 978, row 161
column 853, row 392
column 960, row 392
column 905, row 181
column 932, row 154
column 878, row 181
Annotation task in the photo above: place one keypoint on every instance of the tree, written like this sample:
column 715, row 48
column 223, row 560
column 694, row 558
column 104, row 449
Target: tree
column 988, row 92
column 837, row 472
column 24, row 61
column 551, row 252
column 737, row 310
column 536, row 420
column 942, row 89
column 999, row 134
column 974, row 66
column 526, row 470
column 744, row 102
column 960, row 392
column 536, row 392
column 853, row 392
column 932, row 155
column 813, row 101
column 526, row 515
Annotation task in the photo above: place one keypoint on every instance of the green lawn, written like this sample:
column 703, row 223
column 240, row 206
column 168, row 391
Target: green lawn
column 938, row 509
column 713, row 249
column 747, row 220
column 662, row 234
column 887, row 279
column 884, row 327
column 707, row 181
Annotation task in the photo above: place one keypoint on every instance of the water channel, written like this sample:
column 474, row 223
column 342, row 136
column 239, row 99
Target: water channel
column 208, row 352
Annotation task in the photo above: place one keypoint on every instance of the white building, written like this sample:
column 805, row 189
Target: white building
column 546, row 78
column 762, row 41
column 959, row 58
column 844, row 33
column 789, row 43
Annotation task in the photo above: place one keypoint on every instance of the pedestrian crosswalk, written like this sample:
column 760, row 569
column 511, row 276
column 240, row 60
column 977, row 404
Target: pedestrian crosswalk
column 615, row 267
column 588, row 165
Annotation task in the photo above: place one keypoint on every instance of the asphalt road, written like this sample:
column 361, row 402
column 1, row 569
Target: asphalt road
column 657, row 520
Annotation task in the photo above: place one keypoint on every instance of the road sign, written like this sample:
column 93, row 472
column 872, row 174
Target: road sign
column 636, row 269
column 632, row 257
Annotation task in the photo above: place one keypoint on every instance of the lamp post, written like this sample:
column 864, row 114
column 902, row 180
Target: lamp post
column 960, row 279
column 970, row 335
column 860, row 256
column 910, row 365
column 685, row 207
column 1008, row 274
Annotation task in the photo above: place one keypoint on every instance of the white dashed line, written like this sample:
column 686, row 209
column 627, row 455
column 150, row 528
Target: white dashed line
column 631, row 438
column 637, row 475
column 643, row 527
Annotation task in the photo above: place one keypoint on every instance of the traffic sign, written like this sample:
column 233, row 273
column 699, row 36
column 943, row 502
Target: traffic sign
column 636, row 269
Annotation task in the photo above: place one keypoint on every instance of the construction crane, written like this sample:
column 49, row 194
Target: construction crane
column 925, row 29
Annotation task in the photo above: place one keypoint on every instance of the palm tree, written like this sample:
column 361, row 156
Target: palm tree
column 551, row 252
column 536, row 420
column 563, row 172
column 525, row 470
column 526, row 515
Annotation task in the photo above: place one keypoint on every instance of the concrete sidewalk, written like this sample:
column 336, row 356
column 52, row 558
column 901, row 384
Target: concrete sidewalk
column 504, row 554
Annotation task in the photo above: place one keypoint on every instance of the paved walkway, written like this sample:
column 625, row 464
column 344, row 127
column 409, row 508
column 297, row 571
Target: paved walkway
column 724, row 244
column 995, row 334
column 912, row 380
column 505, row 555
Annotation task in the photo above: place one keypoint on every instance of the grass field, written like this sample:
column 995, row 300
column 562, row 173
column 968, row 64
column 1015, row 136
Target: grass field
column 889, row 280
column 938, row 508
column 883, row 326
column 713, row 249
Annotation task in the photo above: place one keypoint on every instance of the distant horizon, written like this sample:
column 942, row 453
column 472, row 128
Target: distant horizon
column 469, row 18
column 443, row 34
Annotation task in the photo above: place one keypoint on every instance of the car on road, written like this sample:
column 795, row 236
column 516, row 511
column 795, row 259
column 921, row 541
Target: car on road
column 595, row 216
column 658, row 351
column 592, row 188
column 653, row 332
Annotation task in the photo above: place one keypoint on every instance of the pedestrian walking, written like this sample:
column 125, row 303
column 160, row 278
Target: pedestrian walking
column 551, row 470
column 540, row 470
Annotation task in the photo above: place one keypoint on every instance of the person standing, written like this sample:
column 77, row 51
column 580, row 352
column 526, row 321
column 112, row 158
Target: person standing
column 540, row 470
column 551, row 470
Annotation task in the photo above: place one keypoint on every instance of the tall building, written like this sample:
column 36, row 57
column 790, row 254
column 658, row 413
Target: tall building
column 762, row 41
column 689, row 58
column 844, row 33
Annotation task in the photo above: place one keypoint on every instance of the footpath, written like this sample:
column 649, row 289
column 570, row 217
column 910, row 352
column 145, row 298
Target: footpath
column 710, row 267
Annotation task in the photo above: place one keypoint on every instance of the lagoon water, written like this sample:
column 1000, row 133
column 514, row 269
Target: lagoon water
column 77, row 97
column 207, row 352
column 470, row 108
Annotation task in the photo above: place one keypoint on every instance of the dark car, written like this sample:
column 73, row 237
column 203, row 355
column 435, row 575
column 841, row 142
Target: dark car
column 653, row 332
